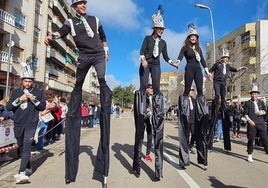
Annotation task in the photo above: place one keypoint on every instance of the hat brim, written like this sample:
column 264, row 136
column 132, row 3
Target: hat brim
column 225, row 56
column 254, row 92
column 158, row 27
column 193, row 34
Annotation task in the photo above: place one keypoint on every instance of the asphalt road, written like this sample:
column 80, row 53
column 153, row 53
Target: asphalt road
column 224, row 170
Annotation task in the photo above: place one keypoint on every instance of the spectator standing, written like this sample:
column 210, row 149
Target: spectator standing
column 64, row 109
column 26, row 102
column 237, row 114
column 4, row 115
column 85, row 115
column 91, row 114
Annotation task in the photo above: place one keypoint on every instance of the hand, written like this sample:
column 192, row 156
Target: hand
column 51, row 105
column 251, row 123
column 24, row 97
column 144, row 64
column 1, row 119
column 106, row 57
column 244, row 67
column 260, row 113
column 177, row 65
column 209, row 75
column 48, row 39
column 31, row 96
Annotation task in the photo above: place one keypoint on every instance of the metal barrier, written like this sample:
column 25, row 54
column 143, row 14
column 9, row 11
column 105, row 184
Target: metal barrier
column 7, row 137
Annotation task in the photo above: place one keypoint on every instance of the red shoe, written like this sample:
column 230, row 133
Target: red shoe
column 148, row 158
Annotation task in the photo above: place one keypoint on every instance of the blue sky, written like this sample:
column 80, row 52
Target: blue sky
column 126, row 22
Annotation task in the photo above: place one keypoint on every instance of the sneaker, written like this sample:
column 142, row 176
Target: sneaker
column 148, row 158
column 28, row 171
column 250, row 159
column 21, row 178
column 192, row 150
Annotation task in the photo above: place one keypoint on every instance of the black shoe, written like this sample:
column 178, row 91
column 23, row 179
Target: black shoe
column 157, row 178
column 182, row 167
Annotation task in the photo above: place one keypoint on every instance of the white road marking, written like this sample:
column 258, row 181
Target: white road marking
column 182, row 173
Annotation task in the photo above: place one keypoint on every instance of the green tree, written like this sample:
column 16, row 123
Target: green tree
column 124, row 95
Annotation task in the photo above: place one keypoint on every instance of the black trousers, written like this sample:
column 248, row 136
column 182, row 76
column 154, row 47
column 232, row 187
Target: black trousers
column 155, row 74
column 158, row 130
column 73, row 118
column 193, row 73
column 251, row 134
column 148, row 127
column 220, row 89
column 24, row 136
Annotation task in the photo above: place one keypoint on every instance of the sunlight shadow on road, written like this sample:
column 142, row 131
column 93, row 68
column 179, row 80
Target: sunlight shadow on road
column 128, row 149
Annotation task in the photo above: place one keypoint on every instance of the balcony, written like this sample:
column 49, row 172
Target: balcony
column 70, row 80
column 7, row 21
column 4, row 57
column 59, row 10
column 60, row 44
column 70, row 41
column 57, row 57
column 56, row 21
column 249, row 44
column 71, row 53
column 70, row 66
column 54, row 84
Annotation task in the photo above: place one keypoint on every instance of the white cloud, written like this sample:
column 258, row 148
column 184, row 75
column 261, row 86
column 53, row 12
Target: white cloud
column 134, row 57
column 117, row 13
column 261, row 11
column 135, row 81
column 112, row 82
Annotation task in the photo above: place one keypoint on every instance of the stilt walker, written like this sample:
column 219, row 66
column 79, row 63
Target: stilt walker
column 153, row 45
column 221, row 70
column 90, row 39
column 193, row 72
column 184, row 123
column 202, row 131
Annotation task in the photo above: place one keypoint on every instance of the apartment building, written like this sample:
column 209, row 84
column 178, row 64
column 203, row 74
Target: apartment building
column 248, row 46
column 23, row 23
column 28, row 23
column 170, row 86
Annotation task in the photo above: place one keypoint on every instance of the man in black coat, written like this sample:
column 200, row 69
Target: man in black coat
column 25, row 102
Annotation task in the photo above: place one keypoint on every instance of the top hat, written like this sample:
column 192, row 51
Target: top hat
column 27, row 68
column 225, row 53
column 254, row 89
column 158, row 20
column 77, row 1
column 192, row 30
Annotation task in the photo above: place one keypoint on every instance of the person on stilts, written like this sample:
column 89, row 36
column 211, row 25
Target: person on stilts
column 153, row 45
column 193, row 72
column 90, row 39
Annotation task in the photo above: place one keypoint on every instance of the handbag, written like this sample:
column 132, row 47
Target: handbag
column 47, row 117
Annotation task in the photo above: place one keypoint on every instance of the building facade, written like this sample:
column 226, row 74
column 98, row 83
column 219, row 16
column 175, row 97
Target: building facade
column 171, row 87
column 247, row 46
column 27, row 23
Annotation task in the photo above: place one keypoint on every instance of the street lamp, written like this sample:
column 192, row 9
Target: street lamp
column 10, row 44
column 212, row 27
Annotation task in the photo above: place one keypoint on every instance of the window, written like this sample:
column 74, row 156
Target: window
column 38, row 6
column 36, row 34
column 20, row 21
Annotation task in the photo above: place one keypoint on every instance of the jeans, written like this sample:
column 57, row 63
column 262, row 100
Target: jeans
column 41, row 136
column 219, row 129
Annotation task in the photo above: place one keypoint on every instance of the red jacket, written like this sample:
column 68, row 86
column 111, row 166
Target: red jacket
column 84, row 111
